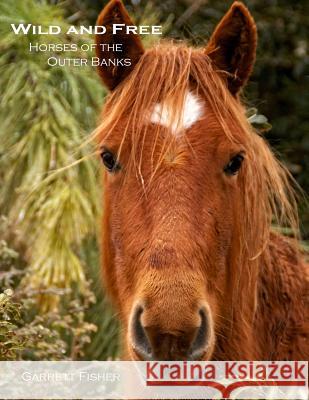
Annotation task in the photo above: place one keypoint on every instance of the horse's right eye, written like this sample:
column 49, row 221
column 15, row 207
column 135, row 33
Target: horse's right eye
column 234, row 165
column 109, row 160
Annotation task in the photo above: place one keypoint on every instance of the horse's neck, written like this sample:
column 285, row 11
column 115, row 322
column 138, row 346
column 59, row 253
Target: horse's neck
column 279, row 299
column 281, row 292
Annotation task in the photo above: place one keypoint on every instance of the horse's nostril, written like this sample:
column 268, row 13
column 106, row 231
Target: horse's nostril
column 153, row 342
column 140, row 342
column 200, row 343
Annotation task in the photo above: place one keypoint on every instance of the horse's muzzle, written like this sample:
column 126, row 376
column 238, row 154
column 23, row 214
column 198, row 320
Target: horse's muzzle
column 153, row 343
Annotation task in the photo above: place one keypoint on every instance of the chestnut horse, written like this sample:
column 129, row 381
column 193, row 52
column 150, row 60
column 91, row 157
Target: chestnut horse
column 190, row 192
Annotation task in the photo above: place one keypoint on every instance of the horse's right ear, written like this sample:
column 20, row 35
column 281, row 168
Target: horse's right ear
column 132, row 48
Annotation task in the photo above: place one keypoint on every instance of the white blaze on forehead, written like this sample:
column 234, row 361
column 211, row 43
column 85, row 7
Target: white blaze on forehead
column 192, row 112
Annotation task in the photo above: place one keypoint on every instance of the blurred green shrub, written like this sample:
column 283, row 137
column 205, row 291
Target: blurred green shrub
column 46, row 113
column 27, row 334
column 11, row 342
column 49, row 190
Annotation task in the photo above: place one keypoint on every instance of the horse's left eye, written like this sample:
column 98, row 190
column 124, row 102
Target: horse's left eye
column 109, row 161
column 234, row 165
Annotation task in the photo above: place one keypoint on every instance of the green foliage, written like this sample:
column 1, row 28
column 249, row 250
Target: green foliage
column 25, row 334
column 10, row 342
column 258, row 121
column 50, row 336
column 45, row 115
column 49, row 189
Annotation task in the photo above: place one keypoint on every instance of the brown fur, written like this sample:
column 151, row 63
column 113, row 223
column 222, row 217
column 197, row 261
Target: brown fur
column 178, row 233
column 233, row 45
column 115, row 13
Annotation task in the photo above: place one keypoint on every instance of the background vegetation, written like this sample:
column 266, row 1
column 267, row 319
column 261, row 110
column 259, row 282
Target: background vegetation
column 51, row 302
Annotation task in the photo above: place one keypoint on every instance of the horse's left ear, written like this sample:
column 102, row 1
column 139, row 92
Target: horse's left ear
column 232, row 46
column 132, row 48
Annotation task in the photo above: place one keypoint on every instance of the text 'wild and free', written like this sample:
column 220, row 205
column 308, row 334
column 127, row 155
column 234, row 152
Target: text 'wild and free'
column 25, row 29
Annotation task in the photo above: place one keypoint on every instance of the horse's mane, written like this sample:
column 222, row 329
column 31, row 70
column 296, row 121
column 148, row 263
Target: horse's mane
column 166, row 71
